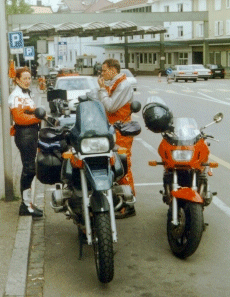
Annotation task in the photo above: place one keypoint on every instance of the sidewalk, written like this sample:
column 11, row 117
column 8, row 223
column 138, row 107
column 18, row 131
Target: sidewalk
column 15, row 232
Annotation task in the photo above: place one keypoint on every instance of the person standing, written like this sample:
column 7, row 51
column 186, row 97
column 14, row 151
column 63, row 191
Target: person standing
column 25, row 132
column 116, row 94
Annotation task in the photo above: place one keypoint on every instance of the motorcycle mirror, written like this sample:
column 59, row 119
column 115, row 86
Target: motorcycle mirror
column 40, row 113
column 135, row 106
column 218, row 117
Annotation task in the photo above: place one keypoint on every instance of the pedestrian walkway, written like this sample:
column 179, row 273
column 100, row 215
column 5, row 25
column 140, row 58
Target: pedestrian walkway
column 15, row 231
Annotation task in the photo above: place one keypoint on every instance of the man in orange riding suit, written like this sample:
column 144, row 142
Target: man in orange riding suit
column 116, row 94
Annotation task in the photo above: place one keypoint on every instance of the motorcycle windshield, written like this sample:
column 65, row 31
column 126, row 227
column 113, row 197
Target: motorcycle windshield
column 184, row 132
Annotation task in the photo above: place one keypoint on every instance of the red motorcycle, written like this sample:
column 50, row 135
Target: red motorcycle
column 185, row 156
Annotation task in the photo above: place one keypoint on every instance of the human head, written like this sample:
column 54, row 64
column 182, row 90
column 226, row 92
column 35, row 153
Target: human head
column 23, row 77
column 110, row 68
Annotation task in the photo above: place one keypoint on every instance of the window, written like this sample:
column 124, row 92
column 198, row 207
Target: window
column 180, row 31
column 121, row 57
column 148, row 9
column 183, row 58
column 154, row 58
column 153, row 35
column 180, row 7
column 150, row 58
column 141, row 58
column 169, row 58
column 219, row 30
column 227, row 27
column 200, row 30
column 228, row 58
column 145, row 58
column 141, row 36
column 132, row 57
column 120, row 38
column 202, row 5
column 166, row 8
column 228, row 3
column 217, row 4
column 131, row 37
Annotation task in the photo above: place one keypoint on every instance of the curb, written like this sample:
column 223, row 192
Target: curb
column 17, row 273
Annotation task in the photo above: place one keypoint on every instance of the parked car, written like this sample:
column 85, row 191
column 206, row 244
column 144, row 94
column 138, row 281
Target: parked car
column 183, row 72
column 130, row 77
column 203, row 72
column 216, row 70
column 75, row 86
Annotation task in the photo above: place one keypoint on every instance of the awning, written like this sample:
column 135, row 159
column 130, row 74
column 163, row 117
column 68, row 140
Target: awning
column 96, row 29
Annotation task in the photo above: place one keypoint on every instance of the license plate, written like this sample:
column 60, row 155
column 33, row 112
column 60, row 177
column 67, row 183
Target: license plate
column 217, row 71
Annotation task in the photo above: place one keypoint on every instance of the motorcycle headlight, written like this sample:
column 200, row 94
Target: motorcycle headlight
column 182, row 155
column 95, row 145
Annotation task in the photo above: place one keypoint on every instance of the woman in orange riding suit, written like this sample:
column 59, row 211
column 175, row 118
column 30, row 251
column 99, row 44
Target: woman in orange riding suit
column 25, row 131
column 116, row 94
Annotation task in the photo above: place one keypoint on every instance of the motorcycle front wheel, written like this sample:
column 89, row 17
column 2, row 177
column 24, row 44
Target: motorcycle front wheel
column 184, row 239
column 103, row 247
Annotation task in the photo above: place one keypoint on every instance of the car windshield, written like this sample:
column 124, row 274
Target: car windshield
column 126, row 72
column 198, row 67
column 184, row 131
column 184, row 67
column 76, row 84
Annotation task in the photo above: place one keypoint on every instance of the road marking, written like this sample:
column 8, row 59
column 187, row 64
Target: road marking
column 220, row 161
column 136, row 93
column 153, row 92
column 148, row 146
column 188, row 91
column 223, row 90
column 148, row 184
column 171, row 91
column 206, row 90
column 221, row 205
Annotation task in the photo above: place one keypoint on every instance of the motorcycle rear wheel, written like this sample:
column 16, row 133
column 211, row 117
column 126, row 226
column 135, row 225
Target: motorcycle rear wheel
column 103, row 247
column 184, row 239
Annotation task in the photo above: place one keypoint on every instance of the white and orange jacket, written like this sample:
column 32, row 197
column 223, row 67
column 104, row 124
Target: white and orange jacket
column 20, row 103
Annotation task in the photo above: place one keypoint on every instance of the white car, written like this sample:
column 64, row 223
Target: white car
column 203, row 72
column 75, row 86
column 182, row 72
column 130, row 78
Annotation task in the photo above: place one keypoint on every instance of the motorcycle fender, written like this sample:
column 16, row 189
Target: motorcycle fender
column 187, row 194
column 100, row 180
column 99, row 202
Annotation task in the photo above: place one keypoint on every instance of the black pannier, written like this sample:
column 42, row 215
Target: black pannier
column 49, row 162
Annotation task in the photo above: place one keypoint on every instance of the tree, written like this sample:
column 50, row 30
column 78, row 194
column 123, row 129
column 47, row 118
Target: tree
column 17, row 7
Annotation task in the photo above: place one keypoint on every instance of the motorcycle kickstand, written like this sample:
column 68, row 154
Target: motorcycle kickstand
column 82, row 241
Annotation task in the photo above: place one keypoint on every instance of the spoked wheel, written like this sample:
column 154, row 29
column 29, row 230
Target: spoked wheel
column 103, row 247
column 185, row 238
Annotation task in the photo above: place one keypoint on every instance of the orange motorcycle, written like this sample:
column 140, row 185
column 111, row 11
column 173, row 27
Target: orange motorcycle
column 184, row 151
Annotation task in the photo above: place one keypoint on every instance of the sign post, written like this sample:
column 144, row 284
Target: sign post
column 6, row 139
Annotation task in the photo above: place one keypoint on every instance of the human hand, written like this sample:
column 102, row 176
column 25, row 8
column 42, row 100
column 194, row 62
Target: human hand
column 101, row 82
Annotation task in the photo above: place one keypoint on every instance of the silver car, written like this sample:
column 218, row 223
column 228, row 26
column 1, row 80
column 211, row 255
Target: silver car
column 203, row 72
column 182, row 72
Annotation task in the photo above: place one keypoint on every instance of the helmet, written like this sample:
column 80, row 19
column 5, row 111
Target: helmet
column 157, row 116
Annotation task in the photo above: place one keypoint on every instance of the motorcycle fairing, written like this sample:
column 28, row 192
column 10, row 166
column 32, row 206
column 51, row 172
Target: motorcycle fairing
column 99, row 173
column 99, row 202
column 187, row 194
column 91, row 121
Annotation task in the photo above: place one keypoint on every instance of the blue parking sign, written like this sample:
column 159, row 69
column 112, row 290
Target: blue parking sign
column 29, row 53
column 16, row 42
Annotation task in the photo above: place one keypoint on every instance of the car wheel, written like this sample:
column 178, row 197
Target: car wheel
column 186, row 80
column 206, row 78
column 194, row 80
column 135, row 89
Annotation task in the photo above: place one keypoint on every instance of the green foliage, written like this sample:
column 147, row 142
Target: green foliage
column 17, row 7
